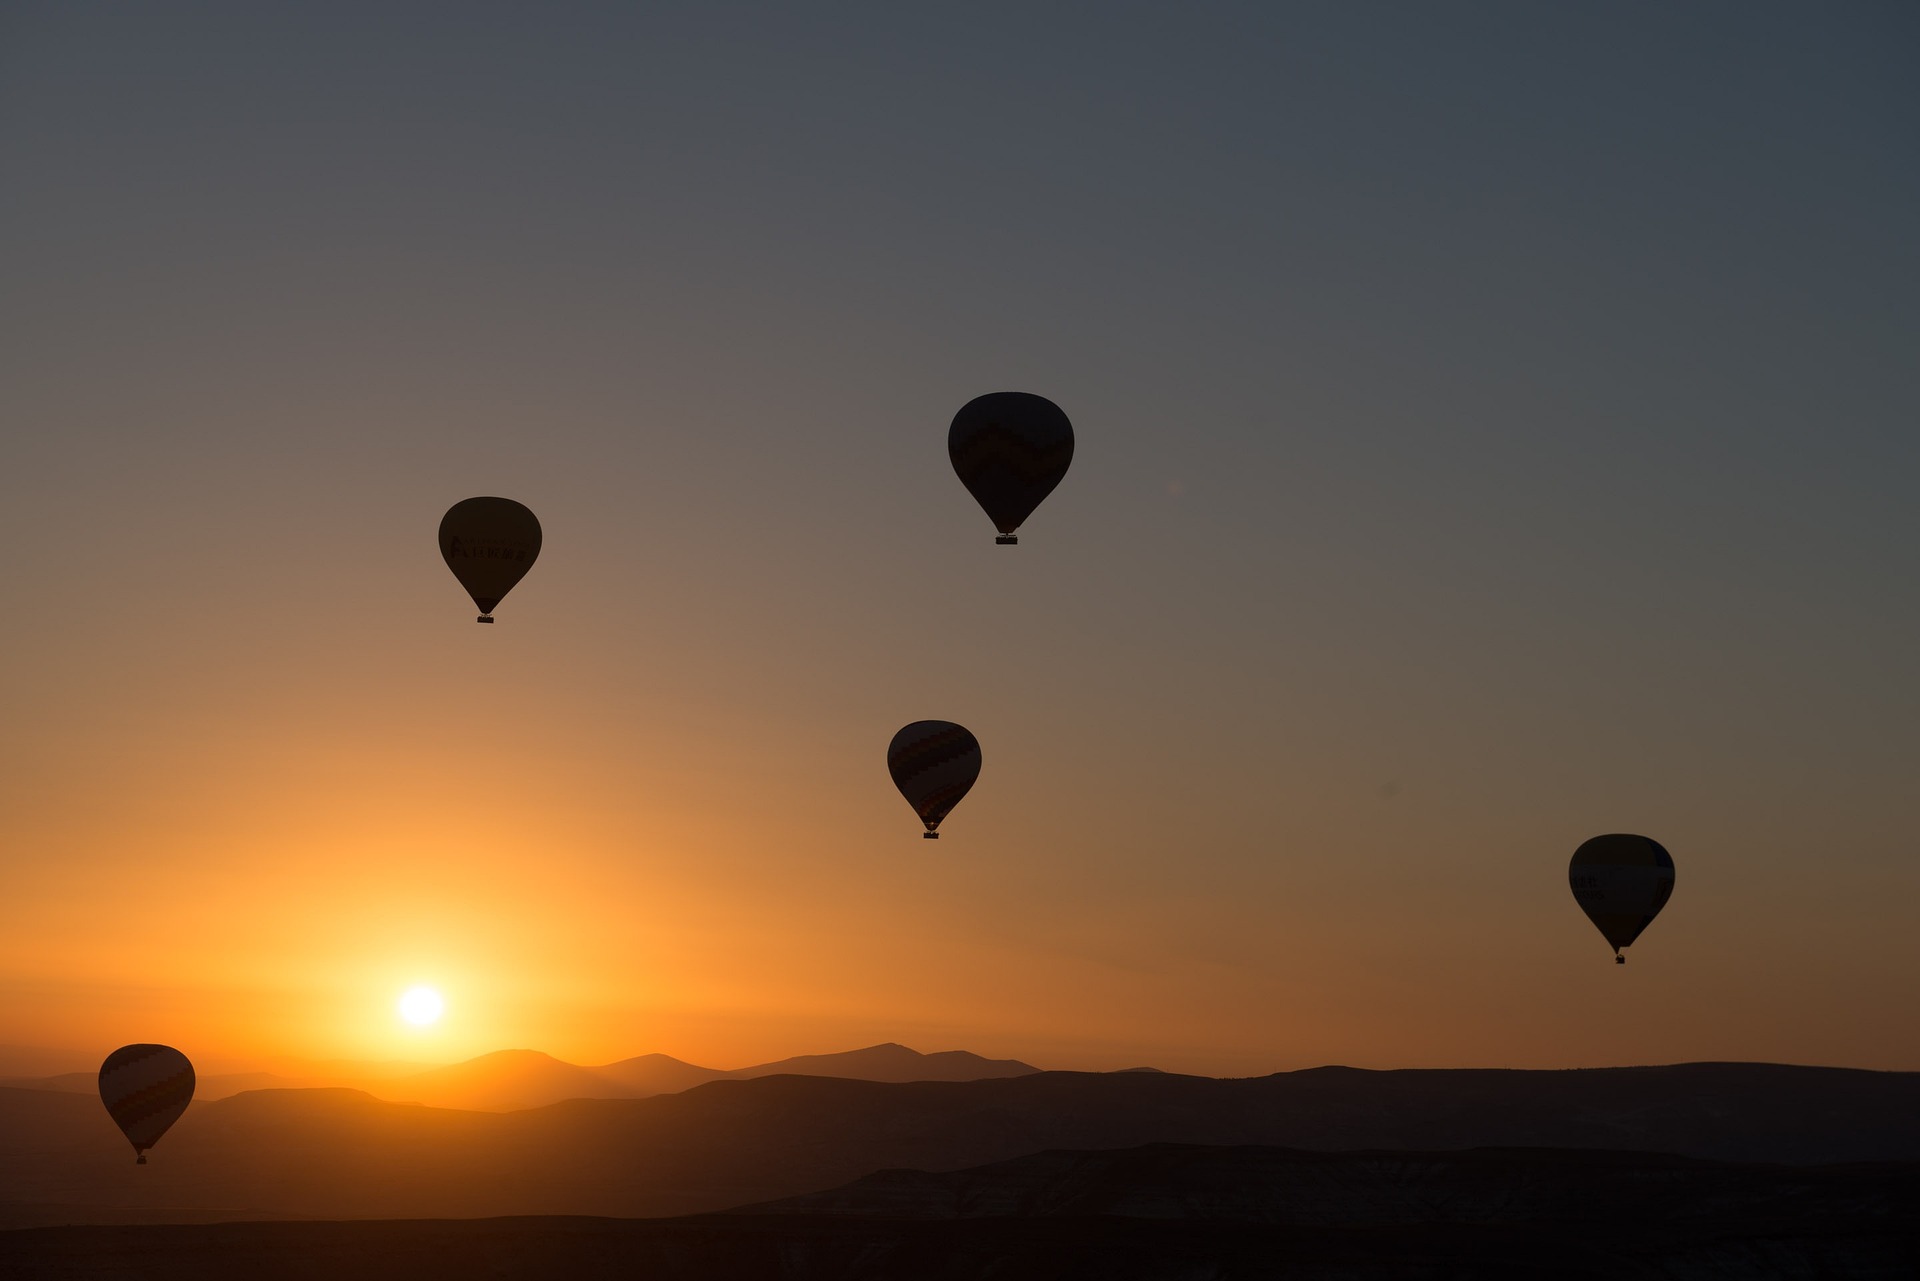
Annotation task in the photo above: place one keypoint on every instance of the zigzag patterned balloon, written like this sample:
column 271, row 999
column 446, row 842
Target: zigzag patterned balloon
column 145, row 1088
column 934, row 764
column 1010, row 448
column 1621, row 882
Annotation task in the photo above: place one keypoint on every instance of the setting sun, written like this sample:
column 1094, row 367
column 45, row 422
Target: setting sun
column 421, row 1006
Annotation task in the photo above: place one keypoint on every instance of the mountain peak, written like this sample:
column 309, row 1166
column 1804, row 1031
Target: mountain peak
column 891, row 1061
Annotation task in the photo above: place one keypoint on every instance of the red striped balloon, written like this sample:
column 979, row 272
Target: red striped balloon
column 1009, row 448
column 934, row 764
column 145, row 1088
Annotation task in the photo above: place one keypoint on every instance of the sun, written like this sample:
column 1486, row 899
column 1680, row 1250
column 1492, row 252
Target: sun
column 421, row 1006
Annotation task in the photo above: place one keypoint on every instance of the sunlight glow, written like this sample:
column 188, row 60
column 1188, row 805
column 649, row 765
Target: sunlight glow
column 421, row 1006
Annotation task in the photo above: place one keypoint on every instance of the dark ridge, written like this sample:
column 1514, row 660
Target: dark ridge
column 330, row 1154
column 1163, row 1211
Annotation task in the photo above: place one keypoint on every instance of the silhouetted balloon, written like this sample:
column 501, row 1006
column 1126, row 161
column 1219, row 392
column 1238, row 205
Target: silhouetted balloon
column 934, row 764
column 1621, row 882
column 1010, row 448
column 145, row 1088
column 489, row 544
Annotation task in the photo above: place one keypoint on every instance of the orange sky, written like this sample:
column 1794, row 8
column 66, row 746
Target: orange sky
column 598, row 841
column 1425, row 521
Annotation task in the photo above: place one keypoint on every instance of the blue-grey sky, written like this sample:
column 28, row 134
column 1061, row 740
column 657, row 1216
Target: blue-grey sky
column 1496, row 426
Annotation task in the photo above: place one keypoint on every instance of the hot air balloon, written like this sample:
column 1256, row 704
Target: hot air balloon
column 145, row 1088
column 1621, row 882
column 933, row 763
column 1010, row 448
column 489, row 544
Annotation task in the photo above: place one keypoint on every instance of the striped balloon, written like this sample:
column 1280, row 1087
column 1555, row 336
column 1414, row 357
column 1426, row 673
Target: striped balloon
column 1010, row 448
column 145, row 1088
column 934, row 764
column 1621, row 882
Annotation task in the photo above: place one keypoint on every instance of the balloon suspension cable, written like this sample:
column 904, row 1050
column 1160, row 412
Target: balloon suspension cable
column 1008, row 539
column 484, row 618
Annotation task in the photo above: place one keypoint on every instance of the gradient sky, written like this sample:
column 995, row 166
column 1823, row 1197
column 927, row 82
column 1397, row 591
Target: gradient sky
column 1497, row 425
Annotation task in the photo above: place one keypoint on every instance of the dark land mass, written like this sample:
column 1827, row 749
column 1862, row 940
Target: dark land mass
column 1163, row 1211
column 339, row 1154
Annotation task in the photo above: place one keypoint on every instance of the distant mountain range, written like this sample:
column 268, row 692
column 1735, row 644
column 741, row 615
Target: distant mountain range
column 732, row 1142
column 510, row 1080
column 1160, row 1211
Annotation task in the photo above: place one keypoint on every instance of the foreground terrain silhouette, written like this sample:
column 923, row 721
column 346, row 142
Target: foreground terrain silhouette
column 331, row 1154
column 1161, row 1211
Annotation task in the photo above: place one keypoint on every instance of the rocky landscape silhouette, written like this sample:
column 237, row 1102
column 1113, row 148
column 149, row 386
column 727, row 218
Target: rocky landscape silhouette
column 1439, row 1148
column 1163, row 1210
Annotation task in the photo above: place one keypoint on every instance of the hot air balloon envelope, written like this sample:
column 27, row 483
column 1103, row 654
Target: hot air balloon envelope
column 145, row 1088
column 489, row 544
column 1010, row 448
column 1621, row 882
column 934, row 764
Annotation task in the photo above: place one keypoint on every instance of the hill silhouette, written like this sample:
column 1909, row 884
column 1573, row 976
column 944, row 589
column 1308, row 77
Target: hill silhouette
column 509, row 1080
column 651, row 1074
column 345, row 1154
column 206, row 1088
column 504, row 1081
column 1370, row 1189
column 284, row 1074
column 891, row 1062
column 1154, row 1212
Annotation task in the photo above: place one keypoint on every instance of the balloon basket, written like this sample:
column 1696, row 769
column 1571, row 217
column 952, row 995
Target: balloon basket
column 1008, row 539
column 1619, row 960
column 484, row 618
column 929, row 836
column 141, row 1159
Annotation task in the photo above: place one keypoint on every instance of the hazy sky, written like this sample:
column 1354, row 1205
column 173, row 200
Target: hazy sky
column 1498, row 424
